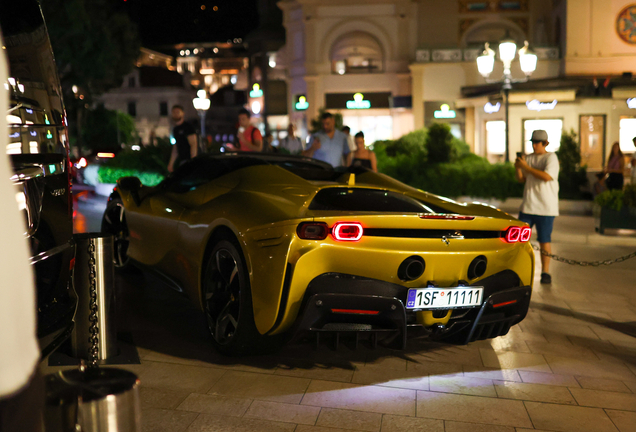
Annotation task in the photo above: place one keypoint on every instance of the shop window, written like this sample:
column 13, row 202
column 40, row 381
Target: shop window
column 375, row 128
column 132, row 109
column 496, row 137
column 357, row 52
column 132, row 82
column 627, row 134
column 554, row 128
column 163, row 109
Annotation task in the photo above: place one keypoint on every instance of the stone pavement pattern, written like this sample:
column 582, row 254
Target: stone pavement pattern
column 569, row 366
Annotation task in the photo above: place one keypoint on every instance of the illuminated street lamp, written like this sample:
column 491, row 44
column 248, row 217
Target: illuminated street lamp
column 202, row 105
column 507, row 53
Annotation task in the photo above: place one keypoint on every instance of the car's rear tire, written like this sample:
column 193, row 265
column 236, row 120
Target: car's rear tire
column 227, row 301
column 114, row 222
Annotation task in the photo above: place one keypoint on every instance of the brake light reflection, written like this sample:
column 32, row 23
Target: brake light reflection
column 347, row 231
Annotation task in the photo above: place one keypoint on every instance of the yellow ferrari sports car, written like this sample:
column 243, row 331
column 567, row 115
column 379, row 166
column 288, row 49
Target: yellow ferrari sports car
column 270, row 245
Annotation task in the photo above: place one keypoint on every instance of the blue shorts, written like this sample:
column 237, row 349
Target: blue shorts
column 544, row 225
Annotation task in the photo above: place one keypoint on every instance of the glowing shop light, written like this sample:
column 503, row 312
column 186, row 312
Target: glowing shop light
column 106, row 155
column 535, row 105
column 256, row 107
column 444, row 112
column 358, row 102
column 631, row 103
column 256, row 91
column 302, row 104
column 34, row 147
column 135, row 147
column 490, row 108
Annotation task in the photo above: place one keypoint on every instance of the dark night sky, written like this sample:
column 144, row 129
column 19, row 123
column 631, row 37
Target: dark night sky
column 167, row 22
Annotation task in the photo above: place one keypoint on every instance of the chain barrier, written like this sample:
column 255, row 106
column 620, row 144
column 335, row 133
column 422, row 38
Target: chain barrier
column 93, row 351
column 585, row 263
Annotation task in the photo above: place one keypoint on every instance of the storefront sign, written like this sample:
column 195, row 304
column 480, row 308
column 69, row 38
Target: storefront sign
column 490, row 108
column 445, row 112
column 256, row 91
column 631, row 103
column 535, row 105
column 302, row 104
column 358, row 102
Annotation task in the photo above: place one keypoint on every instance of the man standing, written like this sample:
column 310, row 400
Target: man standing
column 248, row 136
column 329, row 145
column 540, row 172
column 185, row 147
column 290, row 144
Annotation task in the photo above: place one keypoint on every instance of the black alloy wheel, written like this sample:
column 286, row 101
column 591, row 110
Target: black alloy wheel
column 114, row 222
column 228, row 301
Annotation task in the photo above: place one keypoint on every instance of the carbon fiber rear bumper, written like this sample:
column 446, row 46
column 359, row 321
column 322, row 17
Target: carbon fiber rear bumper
column 337, row 303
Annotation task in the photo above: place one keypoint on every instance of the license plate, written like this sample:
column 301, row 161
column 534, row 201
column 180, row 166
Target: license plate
column 444, row 298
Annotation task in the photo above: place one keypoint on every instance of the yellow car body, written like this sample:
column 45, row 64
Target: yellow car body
column 173, row 226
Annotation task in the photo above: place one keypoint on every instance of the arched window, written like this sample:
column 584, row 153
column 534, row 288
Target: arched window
column 492, row 32
column 356, row 52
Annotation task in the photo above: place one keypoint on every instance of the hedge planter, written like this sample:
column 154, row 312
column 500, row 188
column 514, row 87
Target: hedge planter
column 609, row 218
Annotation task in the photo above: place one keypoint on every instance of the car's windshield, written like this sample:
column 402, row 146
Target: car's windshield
column 371, row 200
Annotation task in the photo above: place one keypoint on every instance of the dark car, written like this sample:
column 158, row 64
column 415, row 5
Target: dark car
column 38, row 148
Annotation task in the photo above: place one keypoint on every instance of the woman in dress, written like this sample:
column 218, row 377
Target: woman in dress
column 363, row 156
column 615, row 167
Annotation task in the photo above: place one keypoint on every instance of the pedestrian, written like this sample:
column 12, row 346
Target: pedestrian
column 350, row 140
column 363, row 156
column 615, row 168
column 268, row 139
column 540, row 205
column 329, row 144
column 185, row 146
column 248, row 138
column 599, row 186
column 291, row 143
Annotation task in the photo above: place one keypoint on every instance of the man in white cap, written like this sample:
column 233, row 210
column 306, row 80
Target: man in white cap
column 540, row 173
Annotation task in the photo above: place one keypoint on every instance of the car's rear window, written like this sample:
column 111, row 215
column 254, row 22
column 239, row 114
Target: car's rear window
column 369, row 200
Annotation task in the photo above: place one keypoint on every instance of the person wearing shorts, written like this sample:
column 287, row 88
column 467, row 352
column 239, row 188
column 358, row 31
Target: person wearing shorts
column 540, row 173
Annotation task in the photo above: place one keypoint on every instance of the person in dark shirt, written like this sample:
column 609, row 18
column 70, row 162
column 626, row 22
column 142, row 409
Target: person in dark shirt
column 185, row 147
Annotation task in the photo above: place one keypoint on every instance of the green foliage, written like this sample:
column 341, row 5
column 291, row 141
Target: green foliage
column 150, row 164
column 112, row 174
column 439, row 143
column 316, row 123
column 408, row 159
column 94, row 45
column 572, row 176
column 616, row 199
column 107, row 129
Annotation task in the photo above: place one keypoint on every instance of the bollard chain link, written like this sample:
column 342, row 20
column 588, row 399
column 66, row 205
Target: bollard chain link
column 585, row 263
column 93, row 351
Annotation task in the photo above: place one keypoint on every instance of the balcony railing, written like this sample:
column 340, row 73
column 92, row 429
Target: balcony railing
column 454, row 55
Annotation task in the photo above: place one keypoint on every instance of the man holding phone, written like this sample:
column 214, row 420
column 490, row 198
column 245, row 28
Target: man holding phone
column 540, row 173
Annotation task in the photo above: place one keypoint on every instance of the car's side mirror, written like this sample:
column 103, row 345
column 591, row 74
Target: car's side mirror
column 132, row 185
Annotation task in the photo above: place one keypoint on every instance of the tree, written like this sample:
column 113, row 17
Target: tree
column 94, row 45
column 105, row 129
column 572, row 176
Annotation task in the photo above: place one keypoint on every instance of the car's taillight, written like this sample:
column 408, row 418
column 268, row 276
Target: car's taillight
column 312, row 231
column 347, row 231
column 526, row 232
column 516, row 234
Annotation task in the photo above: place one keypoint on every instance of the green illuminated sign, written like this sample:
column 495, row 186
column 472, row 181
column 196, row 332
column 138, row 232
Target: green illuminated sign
column 444, row 112
column 302, row 104
column 358, row 102
column 49, row 135
column 52, row 169
column 256, row 91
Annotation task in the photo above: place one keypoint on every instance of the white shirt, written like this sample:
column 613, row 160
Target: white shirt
column 19, row 352
column 292, row 144
column 541, row 197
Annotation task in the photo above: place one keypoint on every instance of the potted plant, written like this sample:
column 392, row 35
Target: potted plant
column 616, row 209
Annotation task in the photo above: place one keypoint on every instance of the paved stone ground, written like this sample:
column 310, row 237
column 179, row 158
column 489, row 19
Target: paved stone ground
column 569, row 366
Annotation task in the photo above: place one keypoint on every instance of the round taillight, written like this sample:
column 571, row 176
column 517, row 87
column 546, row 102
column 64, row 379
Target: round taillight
column 347, row 231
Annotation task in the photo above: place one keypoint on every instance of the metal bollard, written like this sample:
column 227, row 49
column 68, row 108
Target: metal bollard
column 92, row 400
column 102, row 254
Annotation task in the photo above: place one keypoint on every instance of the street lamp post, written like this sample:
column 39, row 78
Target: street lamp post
column 507, row 53
column 202, row 105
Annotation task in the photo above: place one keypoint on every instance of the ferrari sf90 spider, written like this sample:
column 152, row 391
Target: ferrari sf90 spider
column 269, row 245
